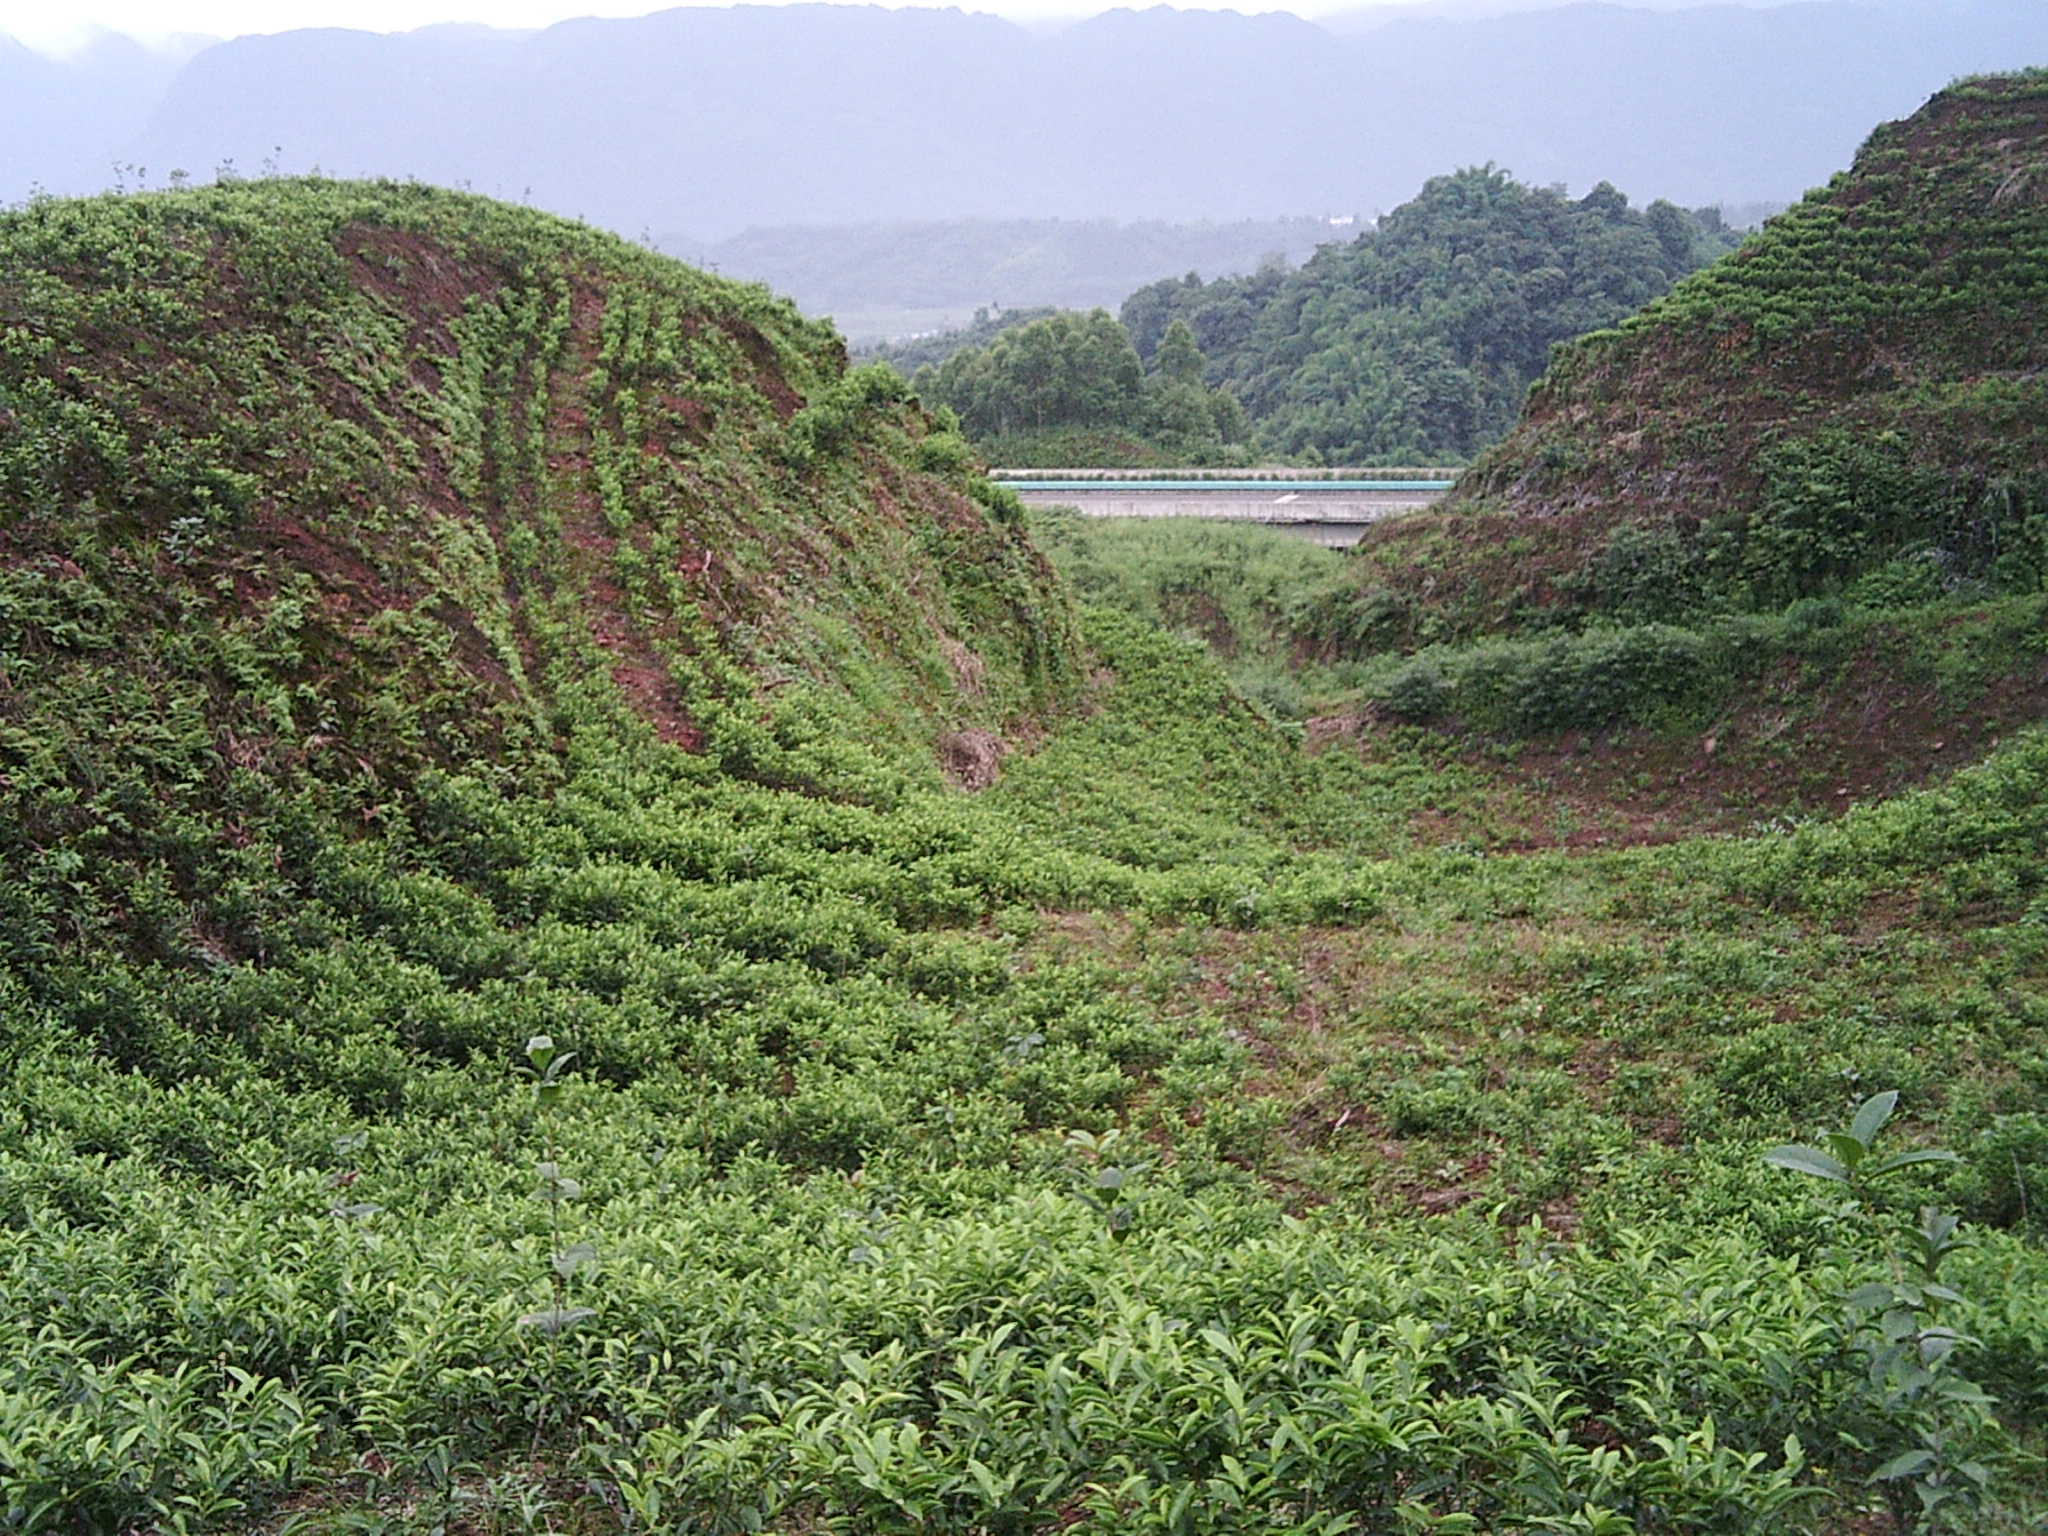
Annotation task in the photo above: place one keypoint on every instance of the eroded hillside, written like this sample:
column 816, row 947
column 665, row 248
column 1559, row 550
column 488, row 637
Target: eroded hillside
column 1856, row 395
column 322, row 484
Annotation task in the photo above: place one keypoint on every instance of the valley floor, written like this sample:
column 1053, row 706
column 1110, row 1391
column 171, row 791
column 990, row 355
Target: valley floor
column 1194, row 1132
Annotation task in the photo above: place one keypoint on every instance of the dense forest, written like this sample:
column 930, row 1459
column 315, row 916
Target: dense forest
column 1070, row 389
column 1415, row 343
column 602, row 935
column 1412, row 343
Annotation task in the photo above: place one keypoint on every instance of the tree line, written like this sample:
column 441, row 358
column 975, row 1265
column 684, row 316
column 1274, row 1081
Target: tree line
column 1414, row 342
column 1075, row 379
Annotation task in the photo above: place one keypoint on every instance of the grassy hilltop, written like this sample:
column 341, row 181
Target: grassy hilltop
column 595, row 941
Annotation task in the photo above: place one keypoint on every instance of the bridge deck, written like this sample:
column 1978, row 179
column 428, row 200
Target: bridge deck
column 1330, row 512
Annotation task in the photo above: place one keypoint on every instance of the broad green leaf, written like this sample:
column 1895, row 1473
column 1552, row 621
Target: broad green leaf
column 1808, row 1160
column 985, row 1480
column 1965, row 1392
column 1871, row 1115
column 1907, row 1159
column 1934, row 1349
column 1850, row 1150
column 1905, row 1464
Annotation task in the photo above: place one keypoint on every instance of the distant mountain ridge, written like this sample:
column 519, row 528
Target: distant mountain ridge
column 65, row 123
column 711, row 120
column 970, row 264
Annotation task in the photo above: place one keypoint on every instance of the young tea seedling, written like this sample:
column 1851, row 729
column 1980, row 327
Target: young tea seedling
column 1108, row 1187
column 547, row 1066
column 1934, row 1422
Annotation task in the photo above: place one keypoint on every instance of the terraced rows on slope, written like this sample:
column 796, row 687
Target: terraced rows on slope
column 328, row 483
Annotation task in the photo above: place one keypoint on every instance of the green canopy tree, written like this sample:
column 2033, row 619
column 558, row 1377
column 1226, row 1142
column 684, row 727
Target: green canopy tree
column 1065, row 370
column 1419, row 338
column 1179, row 358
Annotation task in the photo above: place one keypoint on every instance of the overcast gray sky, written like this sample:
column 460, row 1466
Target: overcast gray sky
column 54, row 27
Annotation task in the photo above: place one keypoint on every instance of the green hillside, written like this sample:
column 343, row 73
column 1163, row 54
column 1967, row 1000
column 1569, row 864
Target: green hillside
column 594, row 941
column 326, row 485
column 1415, row 342
column 1851, row 405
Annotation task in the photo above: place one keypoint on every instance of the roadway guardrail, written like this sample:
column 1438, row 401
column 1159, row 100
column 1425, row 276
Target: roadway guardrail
column 1436, row 475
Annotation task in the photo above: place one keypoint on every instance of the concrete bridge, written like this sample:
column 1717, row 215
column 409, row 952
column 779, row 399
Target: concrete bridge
column 1331, row 507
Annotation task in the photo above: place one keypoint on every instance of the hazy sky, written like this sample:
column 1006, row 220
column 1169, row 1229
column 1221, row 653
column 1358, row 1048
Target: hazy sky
column 55, row 27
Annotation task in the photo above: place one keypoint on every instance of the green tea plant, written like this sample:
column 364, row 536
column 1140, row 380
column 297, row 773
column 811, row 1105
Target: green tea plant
column 1917, row 1392
column 634, row 750
column 547, row 1066
column 1112, row 1189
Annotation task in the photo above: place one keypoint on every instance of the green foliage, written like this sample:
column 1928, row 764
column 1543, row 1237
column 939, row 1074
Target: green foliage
column 1107, row 448
column 1411, row 344
column 1837, row 512
column 1178, row 359
column 844, row 411
column 1924, row 1423
column 100, row 1444
column 548, row 1066
column 1056, row 1152
column 946, row 453
column 1414, row 343
column 1850, row 404
column 1070, row 373
column 1250, row 594
column 1644, row 674
column 1064, row 370
column 1111, row 1189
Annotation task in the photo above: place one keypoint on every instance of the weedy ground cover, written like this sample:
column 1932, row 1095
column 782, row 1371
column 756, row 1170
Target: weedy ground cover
column 271, row 1241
